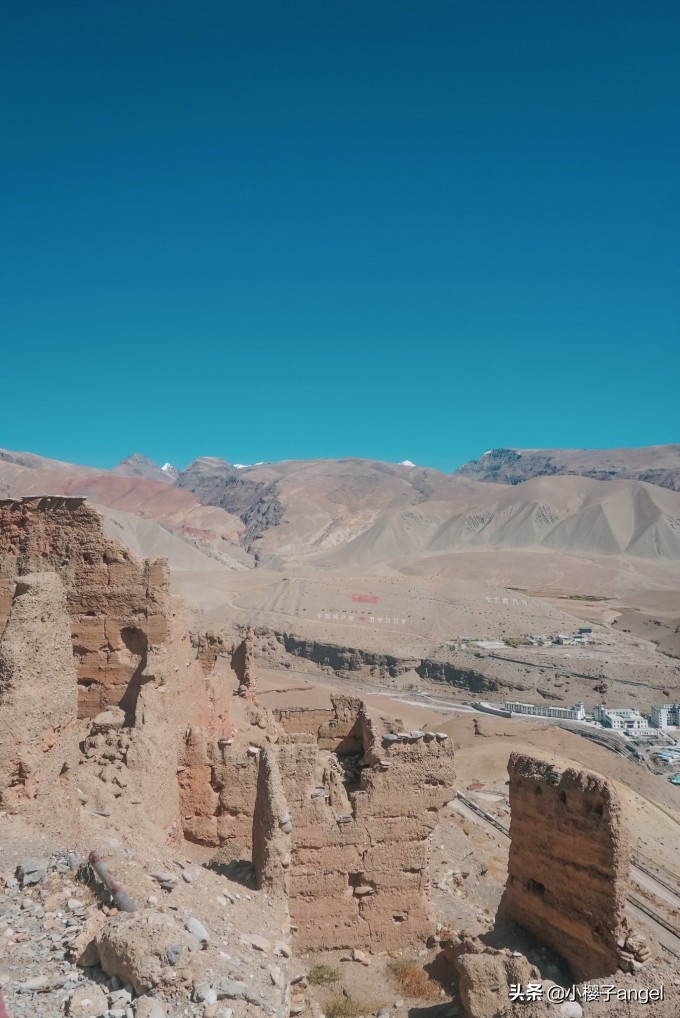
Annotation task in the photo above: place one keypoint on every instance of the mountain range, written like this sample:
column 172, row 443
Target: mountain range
column 361, row 514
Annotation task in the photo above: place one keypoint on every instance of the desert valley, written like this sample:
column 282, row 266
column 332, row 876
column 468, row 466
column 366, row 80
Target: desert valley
column 341, row 737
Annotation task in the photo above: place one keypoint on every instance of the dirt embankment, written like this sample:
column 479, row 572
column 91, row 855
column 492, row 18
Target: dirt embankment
column 552, row 678
column 354, row 659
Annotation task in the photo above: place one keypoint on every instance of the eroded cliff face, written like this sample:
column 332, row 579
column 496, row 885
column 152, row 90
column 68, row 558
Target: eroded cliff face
column 7, row 587
column 568, row 870
column 354, row 659
column 38, row 702
column 331, row 655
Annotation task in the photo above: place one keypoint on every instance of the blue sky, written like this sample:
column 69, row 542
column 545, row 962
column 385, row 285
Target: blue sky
column 265, row 230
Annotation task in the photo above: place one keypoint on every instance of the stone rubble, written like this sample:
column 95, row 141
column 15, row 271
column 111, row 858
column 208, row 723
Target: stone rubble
column 64, row 953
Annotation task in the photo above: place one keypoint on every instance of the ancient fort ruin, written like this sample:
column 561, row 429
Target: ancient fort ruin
column 130, row 654
column 569, row 864
column 38, row 701
column 363, row 801
column 335, row 807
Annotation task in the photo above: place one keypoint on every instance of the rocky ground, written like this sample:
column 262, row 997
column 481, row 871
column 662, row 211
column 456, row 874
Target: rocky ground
column 201, row 942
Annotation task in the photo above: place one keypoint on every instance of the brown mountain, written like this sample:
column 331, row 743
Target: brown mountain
column 177, row 511
column 138, row 465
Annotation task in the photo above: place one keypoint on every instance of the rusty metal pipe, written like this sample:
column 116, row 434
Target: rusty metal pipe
column 119, row 897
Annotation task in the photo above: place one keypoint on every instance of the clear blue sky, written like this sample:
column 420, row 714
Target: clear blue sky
column 267, row 230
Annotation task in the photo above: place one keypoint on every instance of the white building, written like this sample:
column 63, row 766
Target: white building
column 666, row 715
column 541, row 710
column 622, row 720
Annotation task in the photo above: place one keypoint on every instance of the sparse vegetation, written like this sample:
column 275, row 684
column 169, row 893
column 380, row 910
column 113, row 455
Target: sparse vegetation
column 349, row 1007
column 516, row 641
column 322, row 975
column 412, row 979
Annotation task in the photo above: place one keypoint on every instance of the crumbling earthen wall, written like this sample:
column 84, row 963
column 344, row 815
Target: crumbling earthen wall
column 119, row 606
column 302, row 719
column 272, row 826
column 218, row 788
column 175, row 696
column 219, row 771
column 209, row 647
column 130, row 646
column 360, row 830
column 38, row 703
column 243, row 664
column 348, row 730
column 568, row 869
column 6, row 597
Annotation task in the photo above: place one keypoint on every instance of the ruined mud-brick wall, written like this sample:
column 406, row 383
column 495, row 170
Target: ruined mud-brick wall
column 360, row 849
column 243, row 664
column 119, row 605
column 209, row 646
column 38, row 703
column 272, row 826
column 6, row 597
column 218, row 788
column 302, row 719
column 568, row 869
column 218, row 774
column 130, row 640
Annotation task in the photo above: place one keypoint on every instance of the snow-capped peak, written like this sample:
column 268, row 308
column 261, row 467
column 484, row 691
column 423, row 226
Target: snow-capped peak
column 171, row 471
column 406, row 463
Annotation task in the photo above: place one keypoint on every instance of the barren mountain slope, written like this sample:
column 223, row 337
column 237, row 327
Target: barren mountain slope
column 24, row 474
column 150, row 539
column 656, row 464
column 353, row 513
column 308, row 499
column 137, row 465
column 574, row 515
